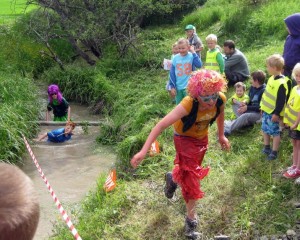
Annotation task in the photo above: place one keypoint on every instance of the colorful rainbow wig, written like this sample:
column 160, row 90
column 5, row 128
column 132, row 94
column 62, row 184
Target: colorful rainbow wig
column 54, row 89
column 206, row 82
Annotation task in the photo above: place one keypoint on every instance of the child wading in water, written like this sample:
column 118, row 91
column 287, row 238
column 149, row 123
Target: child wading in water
column 292, row 119
column 191, row 119
column 59, row 135
column 59, row 105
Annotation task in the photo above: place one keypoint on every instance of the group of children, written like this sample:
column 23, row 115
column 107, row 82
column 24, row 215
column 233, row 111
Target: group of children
column 200, row 101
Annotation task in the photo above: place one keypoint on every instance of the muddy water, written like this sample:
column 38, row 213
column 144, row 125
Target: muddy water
column 71, row 168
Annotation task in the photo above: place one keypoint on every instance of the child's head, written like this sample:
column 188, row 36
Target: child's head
column 183, row 46
column 211, row 41
column 190, row 30
column 275, row 64
column 175, row 48
column 19, row 215
column 240, row 89
column 69, row 127
column 258, row 78
column 54, row 93
column 296, row 73
column 292, row 23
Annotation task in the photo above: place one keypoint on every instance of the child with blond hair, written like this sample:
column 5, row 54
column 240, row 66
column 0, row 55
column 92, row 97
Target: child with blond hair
column 182, row 66
column 214, row 58
column 238, row 99
column 292, row 120
column 59, row 135
column 272, row 105
column 174, row 52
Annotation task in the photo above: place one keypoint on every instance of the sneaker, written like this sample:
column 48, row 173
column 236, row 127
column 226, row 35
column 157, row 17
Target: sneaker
column 266, row 151
column 272, row 156
column 297, row 181
column 170, row 186
column 190, row 227
column 291, row 167
column 293, row 173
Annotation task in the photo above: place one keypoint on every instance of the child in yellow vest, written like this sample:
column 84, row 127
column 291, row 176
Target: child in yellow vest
column 292, row 120
column 214, row 58
column 239, row 97
column 272, row 105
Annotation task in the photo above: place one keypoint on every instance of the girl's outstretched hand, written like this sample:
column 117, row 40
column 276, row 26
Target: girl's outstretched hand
column 137, row 159
column 225, row 144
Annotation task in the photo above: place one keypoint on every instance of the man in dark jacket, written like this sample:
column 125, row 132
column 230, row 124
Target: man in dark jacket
column 250, row 113
column 236, row 64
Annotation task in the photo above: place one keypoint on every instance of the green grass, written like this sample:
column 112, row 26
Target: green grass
column 11, row 9
column 246, row 196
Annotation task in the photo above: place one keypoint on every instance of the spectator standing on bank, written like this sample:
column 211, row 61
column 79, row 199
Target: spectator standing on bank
column 272, row 105
column 193, row 38
column 214, row 58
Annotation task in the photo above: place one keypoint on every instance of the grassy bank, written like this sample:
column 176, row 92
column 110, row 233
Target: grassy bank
column 18, row 109
column 246, row 196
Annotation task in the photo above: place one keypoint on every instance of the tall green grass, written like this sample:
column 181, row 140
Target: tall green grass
column 18, row 111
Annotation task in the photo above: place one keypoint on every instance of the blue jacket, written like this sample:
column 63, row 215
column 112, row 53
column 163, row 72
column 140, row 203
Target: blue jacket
column 291, row 52
column 58, row 135
column 255, row 95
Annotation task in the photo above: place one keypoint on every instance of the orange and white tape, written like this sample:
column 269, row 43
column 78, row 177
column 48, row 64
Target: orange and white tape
column 57, row 203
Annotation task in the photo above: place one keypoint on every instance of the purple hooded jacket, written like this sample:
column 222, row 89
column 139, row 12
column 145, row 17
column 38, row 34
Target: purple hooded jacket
column 291, row 52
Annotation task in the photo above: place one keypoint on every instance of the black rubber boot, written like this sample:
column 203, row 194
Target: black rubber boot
column 170, row 186
column 190, row 229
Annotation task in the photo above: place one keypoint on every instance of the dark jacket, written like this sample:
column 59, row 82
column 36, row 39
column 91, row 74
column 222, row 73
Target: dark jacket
column 255, row 95
column 291, row 52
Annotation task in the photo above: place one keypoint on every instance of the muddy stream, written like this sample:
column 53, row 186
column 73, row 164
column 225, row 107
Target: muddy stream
column 71, row 169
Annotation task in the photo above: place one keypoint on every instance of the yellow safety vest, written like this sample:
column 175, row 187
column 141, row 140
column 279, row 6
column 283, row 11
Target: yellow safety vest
column 211, row 60
column 269, row 97
column 293, row 108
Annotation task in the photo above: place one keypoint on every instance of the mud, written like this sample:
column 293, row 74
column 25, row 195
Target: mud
column 71, row 168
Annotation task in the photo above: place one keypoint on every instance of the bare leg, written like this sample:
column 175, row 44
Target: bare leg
column 266, row 139
column 276, row 142
column 296, row 153
column 191, row 209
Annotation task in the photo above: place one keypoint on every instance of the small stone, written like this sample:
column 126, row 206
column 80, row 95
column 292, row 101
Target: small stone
column 263, row 238
column 290, row 232
column 222, row 237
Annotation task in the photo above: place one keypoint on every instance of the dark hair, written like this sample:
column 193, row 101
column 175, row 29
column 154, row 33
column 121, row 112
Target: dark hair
column 229, row 43
column 259, row 76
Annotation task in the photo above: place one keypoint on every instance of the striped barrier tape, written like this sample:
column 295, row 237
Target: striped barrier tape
column 57, row 203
